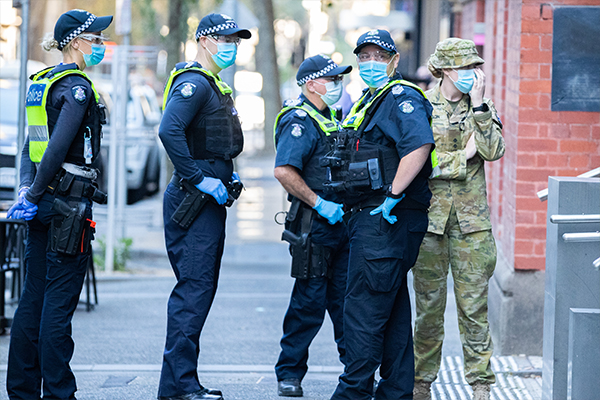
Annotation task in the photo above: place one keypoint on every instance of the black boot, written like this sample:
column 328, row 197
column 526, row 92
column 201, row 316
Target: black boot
column 289, row 387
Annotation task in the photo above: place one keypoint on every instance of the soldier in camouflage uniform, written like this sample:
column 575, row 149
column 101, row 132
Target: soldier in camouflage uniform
column 467, row 132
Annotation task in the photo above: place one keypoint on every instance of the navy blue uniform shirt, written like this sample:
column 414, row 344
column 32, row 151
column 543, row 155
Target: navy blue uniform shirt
column 402, row 121
column 180, row 111
column 297, row 138
column 64, row 96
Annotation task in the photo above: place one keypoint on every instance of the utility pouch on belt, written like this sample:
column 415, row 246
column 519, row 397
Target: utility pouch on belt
column 67, row 231
column 191, row 205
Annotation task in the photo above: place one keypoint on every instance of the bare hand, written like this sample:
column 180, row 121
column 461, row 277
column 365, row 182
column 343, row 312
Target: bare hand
column 470, row 149
column 478, row 88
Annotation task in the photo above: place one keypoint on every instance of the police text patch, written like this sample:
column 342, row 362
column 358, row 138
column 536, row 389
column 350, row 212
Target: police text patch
column 297, row 130
column 406, row 107
column 188, row 89
column 78, row 93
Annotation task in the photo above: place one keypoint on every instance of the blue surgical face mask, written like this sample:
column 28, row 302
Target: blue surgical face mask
column 96, row 56
column 373, row 73
column 466, row 79
column 226, row 54
column 333, row 94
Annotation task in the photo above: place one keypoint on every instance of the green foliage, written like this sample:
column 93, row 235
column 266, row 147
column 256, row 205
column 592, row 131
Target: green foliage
column 120, row 255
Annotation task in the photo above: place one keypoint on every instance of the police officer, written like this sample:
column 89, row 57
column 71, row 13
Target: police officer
column 304, row 132
column 202, row 135
column 467, row 132
column 384, row 182
column 55, row 196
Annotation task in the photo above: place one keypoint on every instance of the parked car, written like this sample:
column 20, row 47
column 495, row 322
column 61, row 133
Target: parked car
column 9, row 113
column 142, row 151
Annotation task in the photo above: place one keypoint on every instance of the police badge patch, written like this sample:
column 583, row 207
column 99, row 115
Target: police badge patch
column 301, row 113
column 188, row 90
column 297, row 130
column 406, row 107
column 78, row 93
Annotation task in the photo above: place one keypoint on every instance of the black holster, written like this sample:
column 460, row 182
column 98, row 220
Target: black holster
column 68, row 233
column 190, row 207
column 309, row 260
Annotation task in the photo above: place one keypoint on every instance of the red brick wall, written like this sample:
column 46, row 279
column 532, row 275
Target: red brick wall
column 539, row 142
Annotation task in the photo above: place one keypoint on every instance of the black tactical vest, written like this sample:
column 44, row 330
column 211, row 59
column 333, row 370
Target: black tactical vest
column 215, row 135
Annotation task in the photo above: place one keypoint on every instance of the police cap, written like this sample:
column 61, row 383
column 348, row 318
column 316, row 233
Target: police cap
column 317, row 67
column 73, row 23
column 379, row 37
column 220, row 24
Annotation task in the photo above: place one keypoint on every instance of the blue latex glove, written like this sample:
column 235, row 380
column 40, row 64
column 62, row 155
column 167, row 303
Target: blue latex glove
column 235, row 177
column 386, row 208
column 215, row 188
column 329, row 210
column 23, row 208
column 21, row 194
column 15, row 212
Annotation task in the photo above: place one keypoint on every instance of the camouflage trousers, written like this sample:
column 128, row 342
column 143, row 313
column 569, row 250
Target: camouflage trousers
column 472, row 259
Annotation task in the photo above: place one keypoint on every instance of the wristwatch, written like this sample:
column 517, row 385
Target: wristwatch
column 392, row 195
column 483, row 107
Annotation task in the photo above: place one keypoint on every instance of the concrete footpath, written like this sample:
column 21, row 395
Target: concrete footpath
column 119, row 344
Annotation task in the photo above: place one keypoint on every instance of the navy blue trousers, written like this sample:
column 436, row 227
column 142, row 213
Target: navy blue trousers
column 309, row 301
column 41, row 346
column 195, row 256
column 377, row 320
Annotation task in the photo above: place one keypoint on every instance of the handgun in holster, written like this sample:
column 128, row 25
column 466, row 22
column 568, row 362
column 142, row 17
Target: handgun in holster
column 190, row 207
column 234, row 189
column 67, row 231
column 195, row 199
column 309, row 260
column 292, row 225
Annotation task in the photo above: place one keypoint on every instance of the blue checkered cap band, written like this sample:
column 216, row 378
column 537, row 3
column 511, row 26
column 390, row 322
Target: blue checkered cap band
column 382, row 44
column 77, row 31
column 317, row 74
column 216, row 29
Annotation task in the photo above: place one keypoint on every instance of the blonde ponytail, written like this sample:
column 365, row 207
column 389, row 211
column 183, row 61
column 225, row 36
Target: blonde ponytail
column 49, row 43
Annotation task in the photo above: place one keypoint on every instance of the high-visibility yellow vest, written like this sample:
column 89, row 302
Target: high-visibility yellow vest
column 356, row 116
column 222, row 86
column 37, row 115
column 326, row 125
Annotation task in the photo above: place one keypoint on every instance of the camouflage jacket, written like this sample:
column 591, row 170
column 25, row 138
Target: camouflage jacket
column 462, row 182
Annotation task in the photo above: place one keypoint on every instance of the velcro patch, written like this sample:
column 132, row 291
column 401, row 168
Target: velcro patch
column 78, row 93
column 292, row 103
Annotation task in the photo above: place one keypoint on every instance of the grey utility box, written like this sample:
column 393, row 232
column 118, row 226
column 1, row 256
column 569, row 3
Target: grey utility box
column 572, row 291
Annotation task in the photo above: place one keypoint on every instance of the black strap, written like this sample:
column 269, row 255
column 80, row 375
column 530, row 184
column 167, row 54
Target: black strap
column 371, row 111
column 307, row 219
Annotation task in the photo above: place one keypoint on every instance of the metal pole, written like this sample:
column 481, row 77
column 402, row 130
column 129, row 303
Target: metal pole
column 22, row 90
column 122, row 88
column 112, row 163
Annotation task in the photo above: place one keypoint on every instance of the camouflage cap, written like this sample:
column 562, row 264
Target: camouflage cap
column 454, row 53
